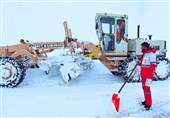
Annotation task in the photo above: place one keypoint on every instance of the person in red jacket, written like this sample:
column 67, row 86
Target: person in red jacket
column 148, row 64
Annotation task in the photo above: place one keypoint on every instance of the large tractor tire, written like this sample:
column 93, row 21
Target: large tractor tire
column 162, row 71
column 12, row 72
column 126, row 68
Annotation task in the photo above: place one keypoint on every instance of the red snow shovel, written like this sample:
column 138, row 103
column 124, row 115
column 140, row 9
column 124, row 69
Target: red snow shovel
column 115, row 97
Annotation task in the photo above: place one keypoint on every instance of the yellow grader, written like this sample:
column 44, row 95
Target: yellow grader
column 118, row 53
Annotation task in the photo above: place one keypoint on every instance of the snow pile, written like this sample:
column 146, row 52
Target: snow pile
column 70, row 66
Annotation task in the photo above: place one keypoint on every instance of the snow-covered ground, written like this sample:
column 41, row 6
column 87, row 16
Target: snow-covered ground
column 89, row 95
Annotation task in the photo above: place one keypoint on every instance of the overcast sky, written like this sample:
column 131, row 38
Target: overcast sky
column 43, row 20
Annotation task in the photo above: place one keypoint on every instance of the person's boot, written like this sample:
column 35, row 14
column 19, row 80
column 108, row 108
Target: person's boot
column 147, row 107
column 143, row 103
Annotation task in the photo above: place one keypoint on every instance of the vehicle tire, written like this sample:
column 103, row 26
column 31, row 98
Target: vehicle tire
column 162, row 71
column 12, row 72
column 126, row 68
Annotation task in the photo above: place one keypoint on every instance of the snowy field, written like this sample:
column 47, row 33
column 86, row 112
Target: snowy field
column 89, row 95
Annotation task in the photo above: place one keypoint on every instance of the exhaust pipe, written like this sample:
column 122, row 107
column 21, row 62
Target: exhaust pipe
column 138, row 31
column 150, row 37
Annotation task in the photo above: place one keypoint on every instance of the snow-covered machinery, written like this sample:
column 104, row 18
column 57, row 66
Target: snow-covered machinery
column 69, row 65
column 15, row 59
column 121, row 52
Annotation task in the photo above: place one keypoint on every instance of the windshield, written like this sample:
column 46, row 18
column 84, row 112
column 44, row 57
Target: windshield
column 106, row 28
column 108, row 25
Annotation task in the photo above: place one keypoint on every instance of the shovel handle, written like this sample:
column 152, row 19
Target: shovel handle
column 130, row 74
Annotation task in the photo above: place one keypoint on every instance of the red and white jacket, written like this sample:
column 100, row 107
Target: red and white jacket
column 148, row 63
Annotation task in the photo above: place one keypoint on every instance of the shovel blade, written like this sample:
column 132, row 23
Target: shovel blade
column 116, row 101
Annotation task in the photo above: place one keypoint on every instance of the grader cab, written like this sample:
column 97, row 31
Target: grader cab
column 112, row 33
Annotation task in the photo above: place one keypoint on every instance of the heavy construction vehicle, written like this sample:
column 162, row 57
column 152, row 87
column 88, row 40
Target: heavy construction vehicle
column 115, row 50
column 15, row 59
column 120, row 52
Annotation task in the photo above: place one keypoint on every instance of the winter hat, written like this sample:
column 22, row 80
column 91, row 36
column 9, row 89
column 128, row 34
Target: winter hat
column 145, row 44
